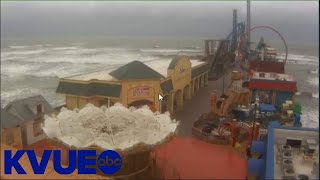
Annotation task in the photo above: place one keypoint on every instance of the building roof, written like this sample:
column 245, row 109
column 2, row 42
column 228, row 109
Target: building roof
column 23, row 107
column 91, row 89
column 8, row 120
column 166, row 86
column 135, row 70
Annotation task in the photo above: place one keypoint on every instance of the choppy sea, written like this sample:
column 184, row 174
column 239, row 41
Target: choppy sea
column 34, row 67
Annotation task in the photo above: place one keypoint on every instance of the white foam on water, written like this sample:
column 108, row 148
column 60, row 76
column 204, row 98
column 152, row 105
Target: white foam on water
column 62, row 70
column 315, row 95
column 157, row 50
column 19, row 93
column 313, row 81
column 78, row 43
column 22, row 53
column 76, row 55
column 310, row 117
column 316, row 71
column 13, row 69
column 18, row 47
column 160, row 66
column 116, row 127
column 300, row 59
column 67, row 61
column 65, row 48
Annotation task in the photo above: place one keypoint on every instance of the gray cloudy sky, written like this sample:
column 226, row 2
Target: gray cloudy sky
column 297, row 20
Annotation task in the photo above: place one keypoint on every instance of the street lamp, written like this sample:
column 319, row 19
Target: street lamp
column 254, row 118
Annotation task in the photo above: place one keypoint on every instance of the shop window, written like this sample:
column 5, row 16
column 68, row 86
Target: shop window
column 37, row 129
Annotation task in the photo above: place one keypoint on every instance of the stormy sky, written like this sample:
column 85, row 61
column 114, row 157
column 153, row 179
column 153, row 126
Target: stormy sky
column 296, row 20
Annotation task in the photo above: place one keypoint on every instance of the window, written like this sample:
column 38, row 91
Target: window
column 37, row 129
column 39, row 108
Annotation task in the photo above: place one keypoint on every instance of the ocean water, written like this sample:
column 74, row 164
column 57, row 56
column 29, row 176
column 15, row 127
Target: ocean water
column 31, row 67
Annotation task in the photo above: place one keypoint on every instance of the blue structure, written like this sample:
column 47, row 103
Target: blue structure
column 297, row 120
column 264, row 168
column 267, row 108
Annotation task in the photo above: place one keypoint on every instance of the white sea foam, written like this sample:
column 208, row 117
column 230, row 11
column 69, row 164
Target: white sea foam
column 315, row 95
column 316, row 71
column 67, row 61
column 300, row 59
column 65, row 48
column 310, row 117
column 50, row 60
column 19, row 53
column 313, row 81
column 153, row 50
column 111, row 128
column 18, row 47
column 17, row 69
column 19, row 93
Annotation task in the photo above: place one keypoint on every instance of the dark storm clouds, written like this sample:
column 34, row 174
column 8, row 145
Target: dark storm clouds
column 298, row 21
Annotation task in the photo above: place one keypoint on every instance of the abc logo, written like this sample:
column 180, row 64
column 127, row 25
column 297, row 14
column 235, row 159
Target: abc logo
column 109, row 162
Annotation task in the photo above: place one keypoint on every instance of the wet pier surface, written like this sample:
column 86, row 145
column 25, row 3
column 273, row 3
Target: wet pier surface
column 199, row 104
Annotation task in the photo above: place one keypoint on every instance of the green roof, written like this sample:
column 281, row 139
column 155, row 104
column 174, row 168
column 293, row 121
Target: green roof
column 174, row 61
column 135, row 70
column 197, row 70
column 166, row 86
column 91, row 89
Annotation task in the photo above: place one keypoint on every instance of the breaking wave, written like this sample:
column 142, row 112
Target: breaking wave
column 19, row 93
column 300, row 59
column 50, row 60
column 310, row 117
column 116, row 127
column 316, row 71
column 313, row 81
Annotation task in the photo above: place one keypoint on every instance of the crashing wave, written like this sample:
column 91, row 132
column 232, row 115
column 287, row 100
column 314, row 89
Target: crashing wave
column 116, row 127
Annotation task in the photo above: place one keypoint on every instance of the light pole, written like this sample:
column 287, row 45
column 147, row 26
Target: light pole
column 254, row 118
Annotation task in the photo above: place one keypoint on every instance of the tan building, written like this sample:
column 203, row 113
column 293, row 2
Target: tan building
column 10, row 130
column 137, row 84
column 29, row 114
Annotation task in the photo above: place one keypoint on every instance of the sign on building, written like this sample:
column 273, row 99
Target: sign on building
column 141, row 91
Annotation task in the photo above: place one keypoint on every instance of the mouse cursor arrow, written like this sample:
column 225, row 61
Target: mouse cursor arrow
column 160, row 97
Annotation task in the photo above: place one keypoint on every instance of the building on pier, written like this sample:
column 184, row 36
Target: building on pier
column 272, row 88
column 136, row 84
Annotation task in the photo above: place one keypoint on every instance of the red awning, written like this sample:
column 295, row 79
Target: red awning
column 269, row 85
column 190, row 158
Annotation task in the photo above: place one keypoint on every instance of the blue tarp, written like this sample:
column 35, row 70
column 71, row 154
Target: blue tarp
column 267, row 108
column 256, row 167
column 258, row 147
